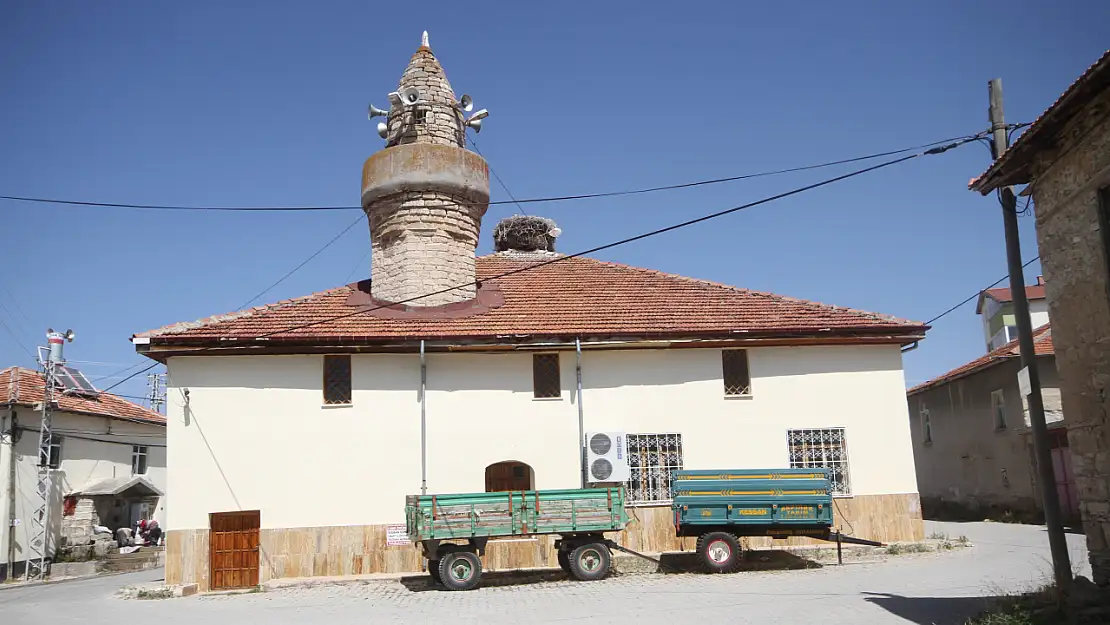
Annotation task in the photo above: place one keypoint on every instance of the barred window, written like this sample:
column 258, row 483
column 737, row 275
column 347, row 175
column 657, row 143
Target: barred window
column 998, row 409
column 337, row 379
column 545, row 376
column 926, row 425
column 734, row 364
column 54, row 459
column 822, row 449
column 651, row 459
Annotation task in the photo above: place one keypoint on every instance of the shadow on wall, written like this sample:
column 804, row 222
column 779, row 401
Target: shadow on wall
column 932, row 610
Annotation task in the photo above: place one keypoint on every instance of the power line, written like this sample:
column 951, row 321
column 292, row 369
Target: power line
column 357, row 265
column 684, row 224
column 496, row 177
column 140, row 372
column 303, row 263
column 16, row 338
column 991, row 285
column 561, row 198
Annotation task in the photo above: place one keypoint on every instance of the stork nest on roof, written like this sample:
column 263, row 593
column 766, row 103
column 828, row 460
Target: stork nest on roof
column 526, row 233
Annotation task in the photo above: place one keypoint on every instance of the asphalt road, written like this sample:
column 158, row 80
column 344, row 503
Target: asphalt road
column 936, row 588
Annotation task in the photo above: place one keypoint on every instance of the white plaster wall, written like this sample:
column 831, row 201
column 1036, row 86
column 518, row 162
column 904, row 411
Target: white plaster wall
column 1038, row 312
column 255, row 435
column 82, row 461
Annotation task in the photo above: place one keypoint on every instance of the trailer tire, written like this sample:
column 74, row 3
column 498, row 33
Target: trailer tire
column 590, row 562
column 719, row 552
column 564, row 560
column 460, row 570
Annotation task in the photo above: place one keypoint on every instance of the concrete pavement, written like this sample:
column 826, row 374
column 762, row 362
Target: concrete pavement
column 918, row 588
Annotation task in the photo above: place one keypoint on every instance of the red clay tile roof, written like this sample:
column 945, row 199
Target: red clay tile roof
column 1042, row 342
column 1011, row 168
column 572, row 297
column 1002, row 295
column 25, row 387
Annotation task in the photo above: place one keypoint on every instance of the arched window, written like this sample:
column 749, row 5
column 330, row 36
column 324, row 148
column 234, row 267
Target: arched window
column 509, row 475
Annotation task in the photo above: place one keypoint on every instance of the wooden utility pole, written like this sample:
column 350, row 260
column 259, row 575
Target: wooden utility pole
column 1046, row 479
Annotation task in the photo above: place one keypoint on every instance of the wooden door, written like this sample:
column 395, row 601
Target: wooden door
column 505, row 476
column 1065, row 476
column 233, row 549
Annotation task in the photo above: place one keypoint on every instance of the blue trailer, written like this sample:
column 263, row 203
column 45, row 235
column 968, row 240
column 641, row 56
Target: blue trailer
column 719, row 506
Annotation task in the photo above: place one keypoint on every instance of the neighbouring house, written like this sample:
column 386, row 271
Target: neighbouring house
column 297, row 429
column 1064, row 158
column 997, row 310
column 108, row 458
column 972, row 442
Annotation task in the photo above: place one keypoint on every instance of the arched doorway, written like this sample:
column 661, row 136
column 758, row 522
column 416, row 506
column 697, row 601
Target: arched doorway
column 509, row 475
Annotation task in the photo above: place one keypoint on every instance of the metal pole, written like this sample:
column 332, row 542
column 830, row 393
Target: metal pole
column 1061, row 564
column 423, row 423
column 12, row 436
column 581, row 414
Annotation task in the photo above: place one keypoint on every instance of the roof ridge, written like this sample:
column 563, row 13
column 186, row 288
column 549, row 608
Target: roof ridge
column 238, row 314
column 757, row 293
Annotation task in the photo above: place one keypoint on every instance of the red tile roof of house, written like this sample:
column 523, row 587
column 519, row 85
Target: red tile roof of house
column 571, row 297
column 1042, row 342
column 1012, row 168
column 25, row 387
column 1002, row 295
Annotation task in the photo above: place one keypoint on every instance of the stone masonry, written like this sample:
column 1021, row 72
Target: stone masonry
column 424, row 196
column 1073, row 246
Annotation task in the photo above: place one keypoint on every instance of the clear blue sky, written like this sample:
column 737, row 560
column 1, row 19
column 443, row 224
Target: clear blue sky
column 256, row 103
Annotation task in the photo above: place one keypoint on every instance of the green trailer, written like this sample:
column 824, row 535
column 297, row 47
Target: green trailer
column 719, row 506
column 452, row 530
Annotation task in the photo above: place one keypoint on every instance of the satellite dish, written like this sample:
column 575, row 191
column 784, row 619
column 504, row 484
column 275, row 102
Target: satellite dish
column 410, row 96
column 376, row 112
column 383, row 130
column 466, row 103
column 555, row 232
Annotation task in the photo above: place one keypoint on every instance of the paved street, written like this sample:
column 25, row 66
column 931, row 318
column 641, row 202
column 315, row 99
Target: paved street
column 920, row 588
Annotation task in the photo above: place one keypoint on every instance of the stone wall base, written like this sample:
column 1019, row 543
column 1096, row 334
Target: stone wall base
column 361, row 549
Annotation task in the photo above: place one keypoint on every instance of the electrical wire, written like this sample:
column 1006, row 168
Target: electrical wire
column 639, row 237
column 303, row 263
column 495, row 176
column 140, row 372
column 977, row 293
column 561, row 198
column 16, row 338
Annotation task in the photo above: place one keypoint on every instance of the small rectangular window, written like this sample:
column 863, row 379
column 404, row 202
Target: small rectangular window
column 545, row 376
column 822, row 449
column 337, row 379
column 138, row 459
column 926, row 425
column 55, row 459
column 998, row 409
column 734, row 363
column 1104, row 228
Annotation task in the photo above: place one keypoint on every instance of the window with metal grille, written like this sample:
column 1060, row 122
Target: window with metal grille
column 337, row 379
column 545, row 376
column 734, row 363
column 926, row 425
column 651, row 458
column 822, row 449
column 55, row 459
column 138, row 459
column 1104, row 227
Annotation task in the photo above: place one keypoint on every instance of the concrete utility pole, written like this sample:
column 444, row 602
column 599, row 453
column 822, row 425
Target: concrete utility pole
column 1061, row 563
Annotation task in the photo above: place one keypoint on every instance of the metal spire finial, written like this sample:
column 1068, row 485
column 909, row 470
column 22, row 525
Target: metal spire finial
column 424, row 41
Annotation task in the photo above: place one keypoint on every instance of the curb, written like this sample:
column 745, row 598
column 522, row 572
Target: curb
column 51, row 582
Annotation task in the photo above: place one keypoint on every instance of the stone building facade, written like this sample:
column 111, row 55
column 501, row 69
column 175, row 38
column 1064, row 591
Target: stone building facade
column 1065, row 158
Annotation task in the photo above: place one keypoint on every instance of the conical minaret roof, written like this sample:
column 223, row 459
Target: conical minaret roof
column 434, row 119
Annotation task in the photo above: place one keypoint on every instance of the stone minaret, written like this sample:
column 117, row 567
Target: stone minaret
column 424, row 194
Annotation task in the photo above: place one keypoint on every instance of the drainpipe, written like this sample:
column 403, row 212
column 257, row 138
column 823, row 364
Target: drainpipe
column 581, row 419
column 423, row 423
column 10, row 547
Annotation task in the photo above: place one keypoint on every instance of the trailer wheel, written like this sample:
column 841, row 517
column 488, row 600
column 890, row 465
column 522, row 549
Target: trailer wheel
column 460, row 570
column 433, row 570
column 719, row 552
column 590, row 562
column 564, row 560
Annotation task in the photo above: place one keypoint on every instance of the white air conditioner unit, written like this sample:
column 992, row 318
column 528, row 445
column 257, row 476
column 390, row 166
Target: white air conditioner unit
column 606, row 457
